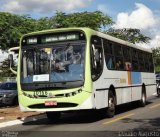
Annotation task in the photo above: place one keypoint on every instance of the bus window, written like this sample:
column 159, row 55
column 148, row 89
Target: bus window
column 96, row 57
column 28, row 62
column 135, row 65
column 110, row 62
column 108, row 53
column 126, row 54
column 151, row 67
column 119, row 63
column 146, row 62
column 141, row 61
column 118, row 57
column 108, row 46
column 127, row 58
column 117, row 50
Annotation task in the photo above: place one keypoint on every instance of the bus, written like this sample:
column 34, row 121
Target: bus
column 72, row 69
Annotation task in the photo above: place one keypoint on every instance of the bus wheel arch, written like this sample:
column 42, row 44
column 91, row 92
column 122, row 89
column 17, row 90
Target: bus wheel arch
column 112, row 89
column 111, row 102
column 143, row 96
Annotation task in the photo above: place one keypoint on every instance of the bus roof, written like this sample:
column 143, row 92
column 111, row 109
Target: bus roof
column 88, row 30
column 120, row 41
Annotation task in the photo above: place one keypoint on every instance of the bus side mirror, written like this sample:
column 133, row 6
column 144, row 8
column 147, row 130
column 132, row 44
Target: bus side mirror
column 10, row 59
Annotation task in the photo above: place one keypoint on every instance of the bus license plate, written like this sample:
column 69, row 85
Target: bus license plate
column 50, row 103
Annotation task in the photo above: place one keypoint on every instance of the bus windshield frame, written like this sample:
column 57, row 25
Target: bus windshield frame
column 53, row 65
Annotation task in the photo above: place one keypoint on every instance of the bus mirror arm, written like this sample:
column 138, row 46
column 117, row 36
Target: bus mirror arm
column 10, row 59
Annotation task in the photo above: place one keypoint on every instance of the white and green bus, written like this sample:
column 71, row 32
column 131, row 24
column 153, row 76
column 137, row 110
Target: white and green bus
column 74, row 69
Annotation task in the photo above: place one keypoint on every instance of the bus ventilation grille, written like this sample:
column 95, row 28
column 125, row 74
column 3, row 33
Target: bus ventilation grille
column 59, row 105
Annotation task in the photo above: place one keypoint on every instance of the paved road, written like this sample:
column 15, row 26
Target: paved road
column 130, row 120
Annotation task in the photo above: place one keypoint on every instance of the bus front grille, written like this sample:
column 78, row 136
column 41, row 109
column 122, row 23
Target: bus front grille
column 59, row 105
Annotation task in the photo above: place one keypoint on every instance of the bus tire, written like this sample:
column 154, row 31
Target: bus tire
column 142, row 101
column 158, row 91
column 53, row 116
column 111, row 105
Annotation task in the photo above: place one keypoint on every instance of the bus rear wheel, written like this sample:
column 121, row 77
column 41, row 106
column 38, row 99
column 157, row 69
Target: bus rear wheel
column 111, row 105
column 143, row 98
column 53, row 116
column 158, row 91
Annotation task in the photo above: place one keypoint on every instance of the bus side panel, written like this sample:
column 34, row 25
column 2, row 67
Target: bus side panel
column 120, row 81
column 101, row 99
column 152, row 90
column 149, row 80
column 136, row 93
column 136, row 85
column 126, row 95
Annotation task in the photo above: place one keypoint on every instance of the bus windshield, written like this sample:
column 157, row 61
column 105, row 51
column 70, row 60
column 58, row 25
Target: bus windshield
column 55, row 63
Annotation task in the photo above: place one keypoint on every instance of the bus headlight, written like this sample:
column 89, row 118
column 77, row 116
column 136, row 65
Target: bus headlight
column 73, row 93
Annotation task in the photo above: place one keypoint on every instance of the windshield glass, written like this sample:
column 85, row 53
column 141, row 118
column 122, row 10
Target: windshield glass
column 8, row 86
column 57, row 63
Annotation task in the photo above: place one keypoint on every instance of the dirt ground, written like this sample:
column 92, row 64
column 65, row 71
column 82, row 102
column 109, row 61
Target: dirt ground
column 12, row 113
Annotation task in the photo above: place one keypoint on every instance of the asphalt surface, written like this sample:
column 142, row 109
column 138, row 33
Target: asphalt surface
column 130, row 120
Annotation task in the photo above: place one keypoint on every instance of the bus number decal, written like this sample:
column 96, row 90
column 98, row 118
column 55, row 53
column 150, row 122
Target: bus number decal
column 40, row 93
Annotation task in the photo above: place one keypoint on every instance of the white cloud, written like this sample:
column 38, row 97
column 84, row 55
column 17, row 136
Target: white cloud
column 144, row 19
column 43, row 6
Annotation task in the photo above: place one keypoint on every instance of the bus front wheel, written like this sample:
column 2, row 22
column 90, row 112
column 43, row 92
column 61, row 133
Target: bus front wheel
column 53, row 116
column 111, row 105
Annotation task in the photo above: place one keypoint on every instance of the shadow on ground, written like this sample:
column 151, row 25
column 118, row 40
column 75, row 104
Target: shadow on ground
column 83, row 116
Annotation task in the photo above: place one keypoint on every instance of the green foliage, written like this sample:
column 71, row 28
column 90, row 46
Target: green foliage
column 94, row 20
column 44, row 23
column 156, row 57
column 12, row 27
column 4, row 69
column 129, row 34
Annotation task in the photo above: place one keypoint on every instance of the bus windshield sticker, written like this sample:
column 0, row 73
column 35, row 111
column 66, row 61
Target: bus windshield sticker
column 43, row 77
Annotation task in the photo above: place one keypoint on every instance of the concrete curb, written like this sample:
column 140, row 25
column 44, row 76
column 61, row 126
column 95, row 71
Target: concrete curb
column 10, row 123
column 22, row 120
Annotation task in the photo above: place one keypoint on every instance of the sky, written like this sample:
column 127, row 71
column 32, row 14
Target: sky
column 140, row 14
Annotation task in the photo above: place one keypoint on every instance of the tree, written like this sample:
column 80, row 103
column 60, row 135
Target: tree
column 95, row 20
column 4, row 69
column 44, row 23
column 156, row 57
column 12, row 27
column 129, row 34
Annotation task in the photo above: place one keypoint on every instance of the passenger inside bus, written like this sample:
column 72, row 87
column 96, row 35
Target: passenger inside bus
column 67, row 64
column 110, row 63
column 128, row 66
column 65, row 58
column 119, row 65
